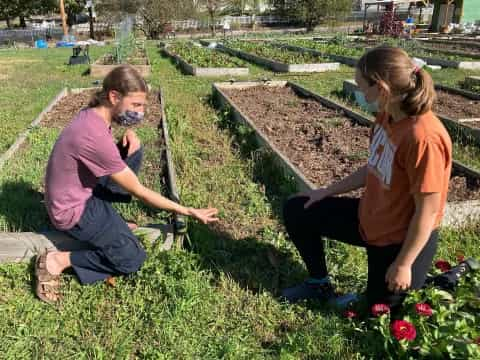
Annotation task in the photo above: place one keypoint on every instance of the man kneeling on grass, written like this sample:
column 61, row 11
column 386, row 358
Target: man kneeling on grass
column 86, row 172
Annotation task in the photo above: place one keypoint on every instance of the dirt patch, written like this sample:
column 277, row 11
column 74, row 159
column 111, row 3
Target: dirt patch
column 323, row 144
column 68, row 107
column 454, row 47
column 460, row 189
column 15, row 61
column 456, row 106
column 474, row 124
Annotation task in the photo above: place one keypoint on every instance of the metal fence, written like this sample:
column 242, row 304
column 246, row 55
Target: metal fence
column 29, row 35
column 240, row 21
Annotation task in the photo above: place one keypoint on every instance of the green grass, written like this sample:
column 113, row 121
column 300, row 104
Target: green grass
column 218, row 298
column 29, row 80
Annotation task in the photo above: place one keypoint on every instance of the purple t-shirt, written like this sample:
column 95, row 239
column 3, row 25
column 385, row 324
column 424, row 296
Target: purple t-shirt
column 84, row 151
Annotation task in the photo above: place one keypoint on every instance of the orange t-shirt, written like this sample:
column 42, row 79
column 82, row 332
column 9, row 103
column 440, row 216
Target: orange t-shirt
column 407, row 157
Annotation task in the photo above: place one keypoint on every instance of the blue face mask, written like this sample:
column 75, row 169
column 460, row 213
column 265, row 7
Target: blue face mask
column 364, row 104
column 129, row 118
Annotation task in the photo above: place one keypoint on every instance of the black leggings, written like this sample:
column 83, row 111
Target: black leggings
column 337, row 218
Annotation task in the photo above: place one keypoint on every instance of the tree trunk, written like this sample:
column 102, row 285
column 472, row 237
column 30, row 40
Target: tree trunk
column 310, row 26
column 7, row 20
column 212, row 19
column 90, row 15
column 23, row 24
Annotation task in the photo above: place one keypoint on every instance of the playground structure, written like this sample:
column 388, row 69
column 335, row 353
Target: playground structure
column 393, row 20
column 389, row 21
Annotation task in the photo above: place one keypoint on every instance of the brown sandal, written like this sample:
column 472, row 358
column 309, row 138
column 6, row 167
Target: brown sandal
column 46, row 283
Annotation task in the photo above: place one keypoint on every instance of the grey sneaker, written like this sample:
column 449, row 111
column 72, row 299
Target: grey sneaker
column 309, row 290
column 344, row 301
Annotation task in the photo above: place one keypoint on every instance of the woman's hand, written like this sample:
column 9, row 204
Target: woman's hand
column 398, row 277
column 131, row 140
column 315, row 195
column 206, row 216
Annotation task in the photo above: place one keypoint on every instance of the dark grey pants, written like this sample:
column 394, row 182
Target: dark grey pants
column 112, row 247
column 337, row 218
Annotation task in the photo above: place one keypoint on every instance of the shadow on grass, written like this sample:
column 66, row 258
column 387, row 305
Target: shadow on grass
column 22, row 207
column 259, row 267
column 254, row 265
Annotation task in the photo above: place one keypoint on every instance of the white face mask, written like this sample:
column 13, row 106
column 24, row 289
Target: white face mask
column 372, row 107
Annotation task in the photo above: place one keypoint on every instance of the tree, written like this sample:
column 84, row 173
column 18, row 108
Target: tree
column 285, row 8
column 213, row 8
column 110, row 12
column 157, row 15
column 10, row 9
column 240, row 7
column 312, row 12
column 72, row 9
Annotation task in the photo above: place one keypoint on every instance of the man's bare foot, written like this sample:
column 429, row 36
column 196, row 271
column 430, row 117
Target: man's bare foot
column 47, row 285
column 110, row 281
column 132, row 226
column 57, row 262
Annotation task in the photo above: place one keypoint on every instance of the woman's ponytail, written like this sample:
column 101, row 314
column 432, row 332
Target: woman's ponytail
column 421, row 97
column 396, row 69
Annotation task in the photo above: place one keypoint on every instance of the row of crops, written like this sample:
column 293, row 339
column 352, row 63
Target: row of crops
column 199, row 56
column 285, row 52
column 270, row 51
column 355, row 50
column 326, row 48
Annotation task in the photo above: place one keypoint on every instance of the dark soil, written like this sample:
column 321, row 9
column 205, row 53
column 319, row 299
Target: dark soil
column 323, row 144
column 453, row 47
column 456, row 106
column 474, row 124
column 66, row 109
column 137, row 57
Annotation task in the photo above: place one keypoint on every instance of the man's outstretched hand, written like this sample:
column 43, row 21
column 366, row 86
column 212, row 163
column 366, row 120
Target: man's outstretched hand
column 206, row 216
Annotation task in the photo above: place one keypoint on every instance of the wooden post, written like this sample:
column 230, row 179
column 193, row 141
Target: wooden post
column 64, row 18
column 90, row 16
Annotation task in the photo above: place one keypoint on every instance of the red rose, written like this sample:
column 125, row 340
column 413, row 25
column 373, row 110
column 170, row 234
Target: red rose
column 350, row 314
column 423, row 309
column 443, row 265
column 402, row 329
column 380, row 309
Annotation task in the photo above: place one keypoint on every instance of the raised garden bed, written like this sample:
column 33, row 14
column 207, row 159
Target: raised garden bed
column 280, row 60
column 472, row 83
column 458, row 109
column 15, row 247
column 469, row 47
column 452, row 60
column 344, row 55
column 199, row 61
column 332, row 144
column 138, row 60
